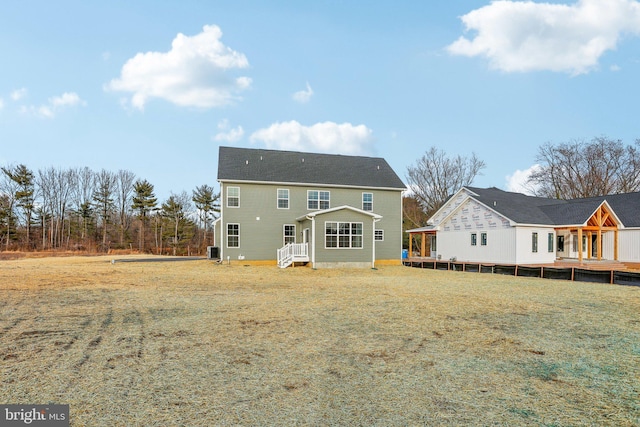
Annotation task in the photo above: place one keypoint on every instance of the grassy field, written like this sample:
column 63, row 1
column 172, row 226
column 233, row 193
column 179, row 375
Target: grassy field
column 199, row 344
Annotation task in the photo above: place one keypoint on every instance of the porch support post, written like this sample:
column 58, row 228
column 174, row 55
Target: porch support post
column 423, row 244
column 580, row 244
column 410, row 245
column 313, row 242
column 599, row 241
column 589, row 244
column 615, row 244
column 373, row 243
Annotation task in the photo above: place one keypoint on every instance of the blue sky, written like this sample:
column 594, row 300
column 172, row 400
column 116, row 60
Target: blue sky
column 156, row 87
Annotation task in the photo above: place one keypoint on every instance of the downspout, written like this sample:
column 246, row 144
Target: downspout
column 313, row 241
column 373, row 243
column 222, row 236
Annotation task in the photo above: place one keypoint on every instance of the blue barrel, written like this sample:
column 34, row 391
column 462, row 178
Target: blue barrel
column 405, row 253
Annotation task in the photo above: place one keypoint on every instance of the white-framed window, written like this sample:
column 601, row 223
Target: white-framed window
column 233, row 197
column 367, row 201
column 343, row 235
column 474, row 239
column 379, row 236
column 483, row 239
column 289, row 234
column 550, row 240
column 317, row 199
column 534, row 242
column 283, row 198
column 233, row 235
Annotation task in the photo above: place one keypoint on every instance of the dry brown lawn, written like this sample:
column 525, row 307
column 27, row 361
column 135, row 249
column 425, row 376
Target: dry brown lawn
column 199, row 344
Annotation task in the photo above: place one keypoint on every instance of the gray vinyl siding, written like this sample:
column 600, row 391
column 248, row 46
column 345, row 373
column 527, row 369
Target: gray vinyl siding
column 261, row 222
column 389, row 205
column 363, row 254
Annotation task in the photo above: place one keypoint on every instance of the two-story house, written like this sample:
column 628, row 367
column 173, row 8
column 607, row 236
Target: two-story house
column 328, row 210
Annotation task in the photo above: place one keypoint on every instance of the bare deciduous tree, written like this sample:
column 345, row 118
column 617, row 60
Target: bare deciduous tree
column 55, row 186
column 103, row 199
column 124, row 182
column 8, row 189
column 85, row 184
column 579, row 169
column 435, row 176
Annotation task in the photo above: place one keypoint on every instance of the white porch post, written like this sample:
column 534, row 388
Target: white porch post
column 373, row 243
column 313, row 242
column 222, row 230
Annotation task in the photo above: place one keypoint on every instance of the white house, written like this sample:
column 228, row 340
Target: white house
column 490, row 225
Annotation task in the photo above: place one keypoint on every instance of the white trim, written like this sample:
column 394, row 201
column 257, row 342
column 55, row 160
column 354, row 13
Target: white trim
column 227, row 198
column 233, row 235
column 338, row 208
column 284, row 235
column 313, row 242
column 373, row 244
column 350, row 235
column 318, row 200
column 288, row 199
column 367, row 210
column 311, row 184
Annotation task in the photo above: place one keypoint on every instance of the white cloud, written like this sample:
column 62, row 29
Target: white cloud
column 303, row 96
column 54, row 105
column 521, row 36
column 67, row 99
column 517, row 182
column 194, row 73
column 326, row 137
column 18, row 94
column 228, row 134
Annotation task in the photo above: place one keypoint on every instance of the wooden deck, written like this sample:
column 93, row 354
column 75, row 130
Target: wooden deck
column 586, row 264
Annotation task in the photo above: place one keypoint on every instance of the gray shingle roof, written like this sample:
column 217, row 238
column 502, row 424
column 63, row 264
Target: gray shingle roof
column 539, row 210
column 258, row 165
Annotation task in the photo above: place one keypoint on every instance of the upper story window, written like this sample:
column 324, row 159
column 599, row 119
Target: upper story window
column 534, row 242
column 233, row 197
column 367, row 201
column 378, row 235
column 283, row 198
column 317, row 199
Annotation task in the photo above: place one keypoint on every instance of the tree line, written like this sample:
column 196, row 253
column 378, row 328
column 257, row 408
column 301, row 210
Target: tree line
column 99, row 211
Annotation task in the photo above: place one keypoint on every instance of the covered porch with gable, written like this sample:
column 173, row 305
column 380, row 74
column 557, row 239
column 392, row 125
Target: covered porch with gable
column 586, row 241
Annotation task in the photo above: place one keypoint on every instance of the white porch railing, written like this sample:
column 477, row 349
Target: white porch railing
column 293, row 252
